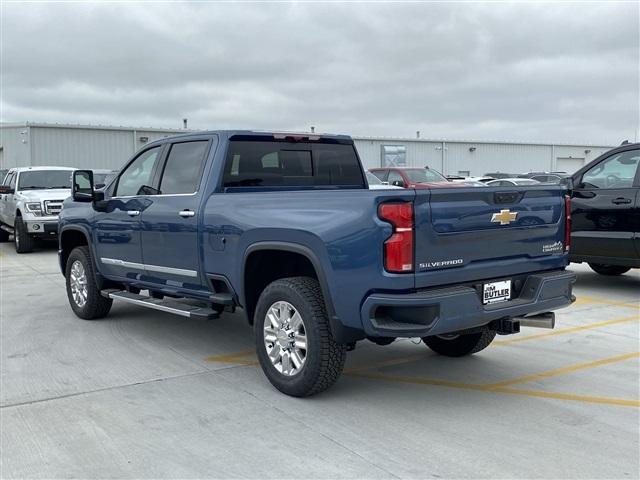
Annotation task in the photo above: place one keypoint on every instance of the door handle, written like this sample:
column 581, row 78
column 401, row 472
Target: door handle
column 133, row 213
column 186, row 213
column 621, row 200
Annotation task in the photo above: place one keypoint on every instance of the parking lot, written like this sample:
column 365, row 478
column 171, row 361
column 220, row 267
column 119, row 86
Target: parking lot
column 144, row 394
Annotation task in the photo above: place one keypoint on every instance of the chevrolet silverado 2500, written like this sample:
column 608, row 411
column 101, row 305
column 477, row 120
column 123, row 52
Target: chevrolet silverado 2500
column 284, row 227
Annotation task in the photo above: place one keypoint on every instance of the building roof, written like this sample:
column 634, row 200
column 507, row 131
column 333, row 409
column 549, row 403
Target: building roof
column 354, row 137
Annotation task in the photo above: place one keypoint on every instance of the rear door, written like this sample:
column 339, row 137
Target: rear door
column 470, row 233
column 170, row 248
column 9, row 200
column 605, row 215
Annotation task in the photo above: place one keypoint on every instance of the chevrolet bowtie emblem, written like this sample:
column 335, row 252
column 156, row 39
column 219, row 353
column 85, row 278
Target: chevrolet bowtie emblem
column 504, row 217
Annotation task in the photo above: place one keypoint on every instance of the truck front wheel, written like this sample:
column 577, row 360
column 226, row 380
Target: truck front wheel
column 82, row 289
column 294, row 344
column 23, row 241
column 460, row 345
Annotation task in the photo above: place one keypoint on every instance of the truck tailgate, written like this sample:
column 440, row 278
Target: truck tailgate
column 476, row 233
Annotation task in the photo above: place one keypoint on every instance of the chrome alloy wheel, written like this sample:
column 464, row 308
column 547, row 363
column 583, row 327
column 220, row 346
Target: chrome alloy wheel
column 78, row 283
column 285, row 338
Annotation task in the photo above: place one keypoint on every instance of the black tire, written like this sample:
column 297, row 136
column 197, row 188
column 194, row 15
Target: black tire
column 4, row 235
column 460, row 345
column 96, row 306
column 609, row 270
column 22, row 240
column 325, row 358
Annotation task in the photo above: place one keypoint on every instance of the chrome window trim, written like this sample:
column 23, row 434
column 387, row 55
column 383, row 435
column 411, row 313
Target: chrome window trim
column 152, row 268
column 158, row 195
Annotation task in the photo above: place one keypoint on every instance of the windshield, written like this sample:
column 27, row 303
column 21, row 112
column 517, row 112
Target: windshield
column 420, row 175
column 372, row 179
column 43, row 179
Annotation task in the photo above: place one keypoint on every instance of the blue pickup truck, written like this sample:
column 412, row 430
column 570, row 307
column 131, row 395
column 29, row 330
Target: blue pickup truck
column 284, row 227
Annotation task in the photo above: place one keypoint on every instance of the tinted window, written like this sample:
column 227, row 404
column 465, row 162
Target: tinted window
column 617, row 171
column 381, row 174
column 273, row 163
column 372, row 179
column 10, row 180
column 42, row 179
column 424, row 175
column 395, row 179
column 183, row 170
column 138, row 174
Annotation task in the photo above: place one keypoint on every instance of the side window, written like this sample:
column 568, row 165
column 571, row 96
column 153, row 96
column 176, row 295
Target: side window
column 138, row 174
column 395, row 177
column 617, row 171
column 381, row 174
column 183, row 170
column 12, row 180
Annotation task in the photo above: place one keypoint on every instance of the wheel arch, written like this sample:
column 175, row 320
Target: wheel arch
column 71, row 237
column 248, row 297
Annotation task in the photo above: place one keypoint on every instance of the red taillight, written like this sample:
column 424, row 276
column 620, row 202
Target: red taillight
column 398, row 249
column 567, row 223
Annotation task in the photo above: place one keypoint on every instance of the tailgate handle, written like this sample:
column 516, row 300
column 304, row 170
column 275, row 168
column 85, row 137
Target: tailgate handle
column 506, row 197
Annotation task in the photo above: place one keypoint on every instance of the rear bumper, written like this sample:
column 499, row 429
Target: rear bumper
column 451, row 309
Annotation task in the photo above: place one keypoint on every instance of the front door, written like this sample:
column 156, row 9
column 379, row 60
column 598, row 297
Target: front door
column 170, row 248
column 118, row 220
column 604, row 215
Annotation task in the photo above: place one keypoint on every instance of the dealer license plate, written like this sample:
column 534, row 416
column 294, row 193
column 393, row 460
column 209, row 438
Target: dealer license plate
column 496, row 292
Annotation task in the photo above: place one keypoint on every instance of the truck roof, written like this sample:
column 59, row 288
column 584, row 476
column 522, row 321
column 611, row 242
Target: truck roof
column 257, row 133
column 41, row 167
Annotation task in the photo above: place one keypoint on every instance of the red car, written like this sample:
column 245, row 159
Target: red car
column 413, row 177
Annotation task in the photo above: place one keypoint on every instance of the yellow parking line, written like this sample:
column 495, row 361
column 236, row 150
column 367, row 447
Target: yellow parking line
column 562, row 331
column 563, row 371
column 511, row 391
column 585, row 300
column 622, row 402
column 233, row 358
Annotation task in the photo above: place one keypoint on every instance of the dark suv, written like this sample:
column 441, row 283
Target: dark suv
column 606, row 212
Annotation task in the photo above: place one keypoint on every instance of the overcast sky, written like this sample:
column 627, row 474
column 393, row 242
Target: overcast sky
column 545, row 72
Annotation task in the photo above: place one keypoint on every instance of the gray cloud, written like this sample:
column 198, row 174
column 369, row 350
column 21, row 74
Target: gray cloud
column 550, row 72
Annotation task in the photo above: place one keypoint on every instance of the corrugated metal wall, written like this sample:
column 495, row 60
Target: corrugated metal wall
column 80, row 148
column 110, row 148
column 453, row 158
column 15, row 146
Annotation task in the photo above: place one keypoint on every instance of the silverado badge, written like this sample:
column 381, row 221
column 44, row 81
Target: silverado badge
column 505, row 217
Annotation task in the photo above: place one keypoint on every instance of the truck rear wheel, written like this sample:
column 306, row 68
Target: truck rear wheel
column 23, row 241
column 460, row 345
column 609, row 270
column 82, row 289
column 295, row 347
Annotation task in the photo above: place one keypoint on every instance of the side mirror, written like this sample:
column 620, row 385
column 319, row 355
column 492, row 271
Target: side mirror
column 398, row 183
column 5, row 190
column 82, row 186
column 567, row 182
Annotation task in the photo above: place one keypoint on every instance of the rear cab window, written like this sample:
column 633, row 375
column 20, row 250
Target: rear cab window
column 264, row 162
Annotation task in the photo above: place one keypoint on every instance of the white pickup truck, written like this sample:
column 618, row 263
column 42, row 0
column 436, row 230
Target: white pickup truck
column 30, row 201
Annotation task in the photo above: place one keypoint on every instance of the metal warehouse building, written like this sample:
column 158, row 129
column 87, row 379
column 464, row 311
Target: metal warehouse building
column 86, row 146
